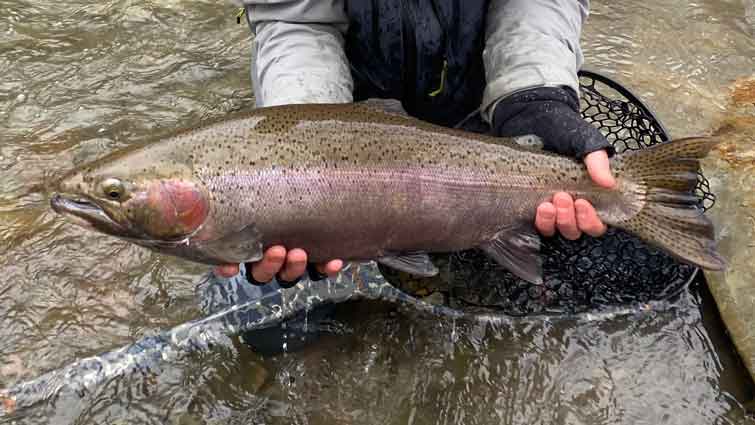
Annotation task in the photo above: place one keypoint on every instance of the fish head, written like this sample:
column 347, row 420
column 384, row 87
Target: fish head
column 125, row 198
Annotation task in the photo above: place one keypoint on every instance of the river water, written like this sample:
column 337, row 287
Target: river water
column 79, row 79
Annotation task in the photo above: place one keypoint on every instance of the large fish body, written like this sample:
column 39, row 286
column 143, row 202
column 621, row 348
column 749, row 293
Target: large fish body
column 354, row 182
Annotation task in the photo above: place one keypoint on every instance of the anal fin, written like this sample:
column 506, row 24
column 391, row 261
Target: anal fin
column 518, row 250
column 416, row 263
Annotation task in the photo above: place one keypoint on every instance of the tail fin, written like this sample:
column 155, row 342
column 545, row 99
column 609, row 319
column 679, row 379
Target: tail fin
column 670, row 216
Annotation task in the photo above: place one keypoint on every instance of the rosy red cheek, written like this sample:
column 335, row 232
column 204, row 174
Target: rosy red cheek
column 181, row 207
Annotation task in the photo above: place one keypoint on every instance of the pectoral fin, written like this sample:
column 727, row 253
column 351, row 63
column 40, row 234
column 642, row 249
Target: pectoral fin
column 518, row 250
column 242, row 246
column 416, row 263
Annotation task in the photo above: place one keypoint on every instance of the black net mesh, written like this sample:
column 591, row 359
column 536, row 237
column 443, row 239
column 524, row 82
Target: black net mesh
column 579, row 275
column 626, row 122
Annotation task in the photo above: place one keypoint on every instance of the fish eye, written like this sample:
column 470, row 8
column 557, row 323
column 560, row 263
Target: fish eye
column 113, row 189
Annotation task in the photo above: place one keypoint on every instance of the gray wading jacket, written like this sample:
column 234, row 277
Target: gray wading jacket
column 299, row 53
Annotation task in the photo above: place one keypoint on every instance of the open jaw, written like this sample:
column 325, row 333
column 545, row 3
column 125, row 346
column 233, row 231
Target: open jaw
column 87, row 214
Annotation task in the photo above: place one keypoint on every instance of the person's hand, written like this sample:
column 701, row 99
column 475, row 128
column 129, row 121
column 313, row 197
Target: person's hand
column 286, row 265
column 571, row 217
column 552, row 114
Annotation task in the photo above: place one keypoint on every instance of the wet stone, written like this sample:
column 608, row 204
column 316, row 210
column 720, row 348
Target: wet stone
column 732, row 175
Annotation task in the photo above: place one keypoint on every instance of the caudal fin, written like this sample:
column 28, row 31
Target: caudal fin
column 670, row 216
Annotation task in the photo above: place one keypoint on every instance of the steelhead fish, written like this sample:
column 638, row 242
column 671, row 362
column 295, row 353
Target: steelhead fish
column 356, row 182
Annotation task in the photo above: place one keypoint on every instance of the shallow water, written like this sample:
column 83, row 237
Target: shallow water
column 81, row 79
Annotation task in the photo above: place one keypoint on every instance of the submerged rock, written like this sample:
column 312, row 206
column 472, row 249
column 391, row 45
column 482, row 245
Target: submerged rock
column 731, row 171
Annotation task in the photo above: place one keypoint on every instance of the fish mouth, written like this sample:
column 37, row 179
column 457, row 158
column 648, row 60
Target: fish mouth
column 89, row 215
column 86, row 213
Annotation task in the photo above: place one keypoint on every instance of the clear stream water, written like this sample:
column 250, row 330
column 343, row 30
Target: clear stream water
column 78, row 79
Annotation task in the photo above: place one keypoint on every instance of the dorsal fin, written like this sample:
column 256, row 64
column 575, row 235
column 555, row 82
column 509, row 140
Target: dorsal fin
column 390, row 106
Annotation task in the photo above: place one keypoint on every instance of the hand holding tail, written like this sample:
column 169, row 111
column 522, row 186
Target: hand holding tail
column 570, row 217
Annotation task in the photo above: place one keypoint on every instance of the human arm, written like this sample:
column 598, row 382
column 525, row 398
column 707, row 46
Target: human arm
column 531, row 58
column 298, row 51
